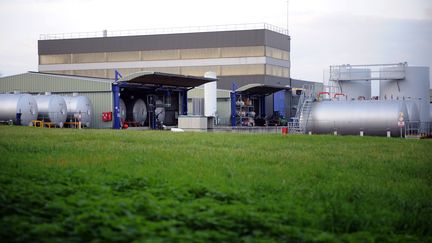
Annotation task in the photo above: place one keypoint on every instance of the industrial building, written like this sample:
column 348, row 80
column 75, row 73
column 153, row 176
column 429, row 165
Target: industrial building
column 166, row 93
column 240, row 54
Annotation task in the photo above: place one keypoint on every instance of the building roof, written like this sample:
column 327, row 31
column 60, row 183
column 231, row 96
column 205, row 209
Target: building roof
column 35, row 82
column 260, row 89
column 165, row 79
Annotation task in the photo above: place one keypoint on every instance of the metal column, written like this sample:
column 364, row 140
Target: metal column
column 184, row 100
column 116, row 110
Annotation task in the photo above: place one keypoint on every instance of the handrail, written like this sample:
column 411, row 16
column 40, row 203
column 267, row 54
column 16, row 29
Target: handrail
column 155, row 31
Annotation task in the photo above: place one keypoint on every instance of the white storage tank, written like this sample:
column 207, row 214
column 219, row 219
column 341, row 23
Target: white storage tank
column 79, row 105
column 122, row 110
column 373, row 117
column 139, row 111
column 11, row 104
column 52, row 108
column 414, row 86
column 210, row 96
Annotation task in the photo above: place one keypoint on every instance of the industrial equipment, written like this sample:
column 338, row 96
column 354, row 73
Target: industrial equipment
column 52, row 108
column 21, row 109
column 79, row 108
column 139, row 112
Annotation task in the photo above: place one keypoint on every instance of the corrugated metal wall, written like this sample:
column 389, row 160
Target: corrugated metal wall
column 97, row 90
column 34, row 82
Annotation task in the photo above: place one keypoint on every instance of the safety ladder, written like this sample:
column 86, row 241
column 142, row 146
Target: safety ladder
column 304, row 108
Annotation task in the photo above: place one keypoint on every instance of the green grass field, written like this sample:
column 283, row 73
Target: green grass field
column 80, row 185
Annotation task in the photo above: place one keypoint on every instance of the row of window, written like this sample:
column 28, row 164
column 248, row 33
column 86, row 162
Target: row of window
column 203, row 53
column 229, row 70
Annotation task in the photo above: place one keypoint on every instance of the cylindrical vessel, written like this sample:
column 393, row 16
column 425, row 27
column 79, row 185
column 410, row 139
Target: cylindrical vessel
column 13, row 104
column 210, row 95
column 139, row 111
column 79, row 106
column 413, row 110
column 373, row 117
column 414, row 86
column 52, row 108
column 122, row 110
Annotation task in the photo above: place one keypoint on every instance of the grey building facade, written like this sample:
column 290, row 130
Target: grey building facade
column 253, row 55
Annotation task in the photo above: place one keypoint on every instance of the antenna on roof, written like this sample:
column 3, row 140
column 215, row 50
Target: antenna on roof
column 287, row 27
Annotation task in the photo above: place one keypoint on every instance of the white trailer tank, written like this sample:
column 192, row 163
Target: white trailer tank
column 78, row 105
column 373, row 117
column 52, row 108
column 139, row 111
column 11, row 104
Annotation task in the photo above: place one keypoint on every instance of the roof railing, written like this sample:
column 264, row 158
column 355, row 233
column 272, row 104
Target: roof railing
column 158, row 31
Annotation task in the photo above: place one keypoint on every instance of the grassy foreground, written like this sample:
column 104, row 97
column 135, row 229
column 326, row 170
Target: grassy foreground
column 69, row 185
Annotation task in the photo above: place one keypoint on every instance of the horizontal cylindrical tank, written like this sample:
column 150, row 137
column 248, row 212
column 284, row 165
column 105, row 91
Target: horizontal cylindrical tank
column 139, row 111
column 13, row 104
column 79, row 107
column 373, row 117
column 122, row 110
column 52, row 108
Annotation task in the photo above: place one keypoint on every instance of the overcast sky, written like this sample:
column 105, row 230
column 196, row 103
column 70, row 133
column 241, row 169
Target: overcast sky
column 323, row 32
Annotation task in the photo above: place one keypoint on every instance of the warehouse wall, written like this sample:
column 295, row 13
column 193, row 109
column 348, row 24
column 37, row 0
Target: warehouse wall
column 97, row 90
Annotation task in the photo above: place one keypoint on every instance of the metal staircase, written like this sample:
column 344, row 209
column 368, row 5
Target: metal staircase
column 304, row 108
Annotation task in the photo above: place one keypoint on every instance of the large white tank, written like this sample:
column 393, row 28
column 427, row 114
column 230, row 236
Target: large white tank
column 52, row 108
column 139, row 111
column 210, row 95
column 79, row 105
column 414, row 86
column 122, row 110
column 11, row 104
column 373, row 117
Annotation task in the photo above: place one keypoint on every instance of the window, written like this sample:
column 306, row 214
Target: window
column 200, row 53
column 160, row 55
column 277, row 71
column 277, row 53
column 123, row 56
column 247, row 51
column 252, row 69
column 55, row 59
column 88, row 57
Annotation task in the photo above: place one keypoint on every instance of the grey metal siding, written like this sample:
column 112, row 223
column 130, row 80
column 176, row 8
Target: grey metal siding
column 34, row 83
column 277, row 40
column 160, row 42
